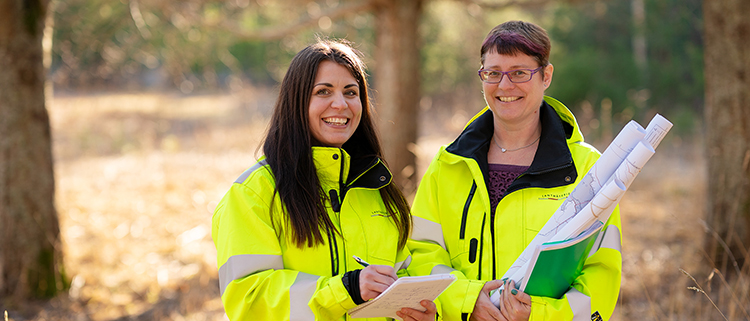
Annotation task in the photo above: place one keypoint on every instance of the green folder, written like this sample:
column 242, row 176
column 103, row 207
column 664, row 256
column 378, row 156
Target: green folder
column 555, row 265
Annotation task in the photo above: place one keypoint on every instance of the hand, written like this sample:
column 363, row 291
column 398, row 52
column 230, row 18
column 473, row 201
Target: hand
column 515, row 306
column 409, row 314
column 484, row 310
column 374, row 279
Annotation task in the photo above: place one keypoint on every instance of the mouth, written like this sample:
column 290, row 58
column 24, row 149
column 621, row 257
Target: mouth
column 507, row 99
column 336, row 121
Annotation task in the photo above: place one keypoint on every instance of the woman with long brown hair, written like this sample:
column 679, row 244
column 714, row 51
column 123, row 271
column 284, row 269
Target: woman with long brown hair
column 287, row 231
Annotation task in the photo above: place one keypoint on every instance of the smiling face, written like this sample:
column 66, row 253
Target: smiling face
column 335, row 105
column 515, row 103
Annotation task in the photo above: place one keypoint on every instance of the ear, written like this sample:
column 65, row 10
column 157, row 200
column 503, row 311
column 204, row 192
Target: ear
column 548, row 75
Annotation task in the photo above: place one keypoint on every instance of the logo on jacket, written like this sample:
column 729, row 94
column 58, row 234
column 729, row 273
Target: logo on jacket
column 554, row 197
column 596, row 316
column 380, row 213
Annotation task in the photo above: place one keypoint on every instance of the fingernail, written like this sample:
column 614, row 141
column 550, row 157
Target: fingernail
column 514, row 291
column 505, row 279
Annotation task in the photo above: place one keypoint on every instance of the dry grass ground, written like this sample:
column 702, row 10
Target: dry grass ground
column 138, row 176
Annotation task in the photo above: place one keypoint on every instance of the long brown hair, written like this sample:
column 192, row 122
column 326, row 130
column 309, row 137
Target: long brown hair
column 288, row 146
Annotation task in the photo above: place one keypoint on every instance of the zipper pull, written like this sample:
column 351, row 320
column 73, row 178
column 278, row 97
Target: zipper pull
column 335, row 203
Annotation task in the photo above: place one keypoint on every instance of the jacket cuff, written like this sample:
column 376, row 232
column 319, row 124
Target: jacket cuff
column 472, row 293
column 351, row 283
column 339, row 294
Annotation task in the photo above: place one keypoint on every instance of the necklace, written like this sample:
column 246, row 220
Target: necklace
column 515, row 149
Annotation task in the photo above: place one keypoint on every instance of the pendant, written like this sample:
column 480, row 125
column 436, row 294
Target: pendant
column 503, row 149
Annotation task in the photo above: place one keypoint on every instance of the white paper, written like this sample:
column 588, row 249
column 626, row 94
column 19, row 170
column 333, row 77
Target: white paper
column 617, row 167
column 406, row 292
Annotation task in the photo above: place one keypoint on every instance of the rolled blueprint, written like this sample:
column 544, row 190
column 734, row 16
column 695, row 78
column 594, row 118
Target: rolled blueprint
column 582, row 194
column 620, row 163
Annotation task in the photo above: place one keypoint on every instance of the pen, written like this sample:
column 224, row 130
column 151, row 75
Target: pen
column 360, row 261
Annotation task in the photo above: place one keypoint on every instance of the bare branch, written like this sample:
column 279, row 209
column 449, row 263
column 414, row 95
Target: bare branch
column 280, row 32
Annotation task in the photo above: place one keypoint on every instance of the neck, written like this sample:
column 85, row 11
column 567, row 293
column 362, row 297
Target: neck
column 516, row 135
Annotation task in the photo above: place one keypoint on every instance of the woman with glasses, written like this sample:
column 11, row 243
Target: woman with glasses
column 487, row 194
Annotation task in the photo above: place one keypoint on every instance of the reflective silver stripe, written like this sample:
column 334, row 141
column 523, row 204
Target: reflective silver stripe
column 426, row 230
column 238, row 266
column 611, row 239
column 441, row 269
column 300, row 294
column 250, row 170
column 580, row 304
column 403, row 264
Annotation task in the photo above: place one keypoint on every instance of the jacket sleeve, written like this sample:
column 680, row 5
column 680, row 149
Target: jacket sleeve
column 429, row 253
column 253, row 281
column 596, row 290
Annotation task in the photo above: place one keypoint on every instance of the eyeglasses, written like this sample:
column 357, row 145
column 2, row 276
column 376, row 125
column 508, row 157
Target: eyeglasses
column 516, row 76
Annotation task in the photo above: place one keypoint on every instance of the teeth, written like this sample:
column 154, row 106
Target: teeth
column 508, row 99
column 335, row 120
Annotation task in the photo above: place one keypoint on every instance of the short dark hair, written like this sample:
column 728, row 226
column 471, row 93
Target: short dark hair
column 288, row 144
column 513, row 37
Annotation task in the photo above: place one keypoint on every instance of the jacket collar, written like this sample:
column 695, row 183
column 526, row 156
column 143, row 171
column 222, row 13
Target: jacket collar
column 335, row 165
column 558, row 128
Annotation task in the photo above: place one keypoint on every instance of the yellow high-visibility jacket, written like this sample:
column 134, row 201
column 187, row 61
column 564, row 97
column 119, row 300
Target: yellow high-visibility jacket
column 455, row 232
column 263, row 275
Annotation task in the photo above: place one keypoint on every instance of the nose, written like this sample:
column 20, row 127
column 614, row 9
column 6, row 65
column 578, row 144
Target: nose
column 505, row 82
column 339, row 101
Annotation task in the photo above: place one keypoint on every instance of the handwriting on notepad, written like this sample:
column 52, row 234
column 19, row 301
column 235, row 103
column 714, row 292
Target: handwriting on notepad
column 406, row 292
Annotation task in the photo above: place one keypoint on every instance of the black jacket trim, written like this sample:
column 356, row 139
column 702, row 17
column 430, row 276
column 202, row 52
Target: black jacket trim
column 368, row 173
column 552, row 165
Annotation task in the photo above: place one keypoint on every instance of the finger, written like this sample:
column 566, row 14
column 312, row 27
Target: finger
column 409, row 314
column 371, row 290
column 491, row 285
column 508, row 310
column 430, row 306
column 522, row 297
column 404, row 316
column 386, row 270
column 505, row 308
column 488, row 308
column 379, row 273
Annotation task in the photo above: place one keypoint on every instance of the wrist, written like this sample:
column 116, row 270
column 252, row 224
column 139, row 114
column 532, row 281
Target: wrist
column 351, row 283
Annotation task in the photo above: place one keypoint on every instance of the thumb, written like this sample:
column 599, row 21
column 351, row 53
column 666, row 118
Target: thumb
column 491, row 285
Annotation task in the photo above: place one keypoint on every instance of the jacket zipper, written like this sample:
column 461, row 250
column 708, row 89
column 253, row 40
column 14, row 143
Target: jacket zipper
column 551, row 169
column 492, row 233
column 481, row 246
column 462, row 232
column 336, row 207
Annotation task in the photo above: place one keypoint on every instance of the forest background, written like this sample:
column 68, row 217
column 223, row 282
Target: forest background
column 157, row 106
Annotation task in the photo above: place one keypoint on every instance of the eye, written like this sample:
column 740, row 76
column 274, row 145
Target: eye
column 519, row 73
column 322, row 91
column 351, row 93
column 492, row 73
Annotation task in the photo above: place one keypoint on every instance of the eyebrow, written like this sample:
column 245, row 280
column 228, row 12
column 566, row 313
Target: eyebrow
column 514, row 67
column 330, row 85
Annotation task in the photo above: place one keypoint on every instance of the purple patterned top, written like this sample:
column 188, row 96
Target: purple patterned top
column 501, row 176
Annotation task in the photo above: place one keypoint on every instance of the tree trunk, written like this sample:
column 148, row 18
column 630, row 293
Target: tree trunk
column 727, row 114
column 397, row 83
column 30, row 256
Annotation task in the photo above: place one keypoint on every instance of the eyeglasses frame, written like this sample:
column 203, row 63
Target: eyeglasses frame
column 507, row 73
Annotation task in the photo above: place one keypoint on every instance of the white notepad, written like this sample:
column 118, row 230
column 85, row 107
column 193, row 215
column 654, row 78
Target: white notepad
column 406, row 292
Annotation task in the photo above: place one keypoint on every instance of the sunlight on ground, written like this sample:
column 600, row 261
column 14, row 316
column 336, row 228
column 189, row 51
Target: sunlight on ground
column 138, row 177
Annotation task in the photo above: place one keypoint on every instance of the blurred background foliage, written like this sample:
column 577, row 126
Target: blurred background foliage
column 614, row 60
